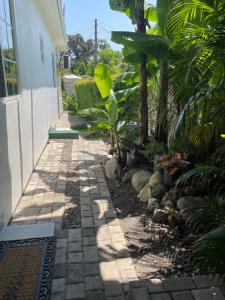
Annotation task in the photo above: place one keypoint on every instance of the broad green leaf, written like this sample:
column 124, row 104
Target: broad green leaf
column 129, row 7
column 151, row 14
column 154, row 46
column 103, row 80
column 163, row 7
column 123, row 94
column 112, row 108
column 223, row 136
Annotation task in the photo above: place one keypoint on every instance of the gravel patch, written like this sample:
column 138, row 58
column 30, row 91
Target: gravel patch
column 157, row 250
column 72, row 215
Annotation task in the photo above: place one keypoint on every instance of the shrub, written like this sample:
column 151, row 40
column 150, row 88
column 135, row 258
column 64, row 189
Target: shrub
column 87, row 93
column 69, row 103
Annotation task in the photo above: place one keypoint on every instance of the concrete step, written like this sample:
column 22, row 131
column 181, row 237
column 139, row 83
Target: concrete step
column 62, row 133
column 23, row 232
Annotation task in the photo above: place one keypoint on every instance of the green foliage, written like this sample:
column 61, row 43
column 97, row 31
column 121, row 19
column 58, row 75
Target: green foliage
column 69, row 103
column 151, row 149
column 107, row 110
column 87, row 93
column 209, row 251
column 208, row 214
column 103, row 80
column 79, row 68
column 136, row 44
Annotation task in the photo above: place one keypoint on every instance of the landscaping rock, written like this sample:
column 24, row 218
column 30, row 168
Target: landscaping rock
column 112, row 168
column 158, row 191
column 190, row 191
column 140, row 179
column 159, row 216
column 174, row 219
column 174, row 194
column 169, row 204
column 145, row 193
column 153, row 203
column 156, row 179
column 184, row 202
column 128, row 175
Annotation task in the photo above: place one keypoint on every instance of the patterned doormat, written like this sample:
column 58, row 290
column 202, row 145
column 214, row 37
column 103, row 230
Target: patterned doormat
column 26, row 269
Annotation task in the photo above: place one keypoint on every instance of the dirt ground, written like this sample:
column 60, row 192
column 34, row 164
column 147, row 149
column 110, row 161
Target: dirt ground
column 156, row 249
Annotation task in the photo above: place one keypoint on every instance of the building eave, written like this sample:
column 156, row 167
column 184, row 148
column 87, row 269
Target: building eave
column 53, row 15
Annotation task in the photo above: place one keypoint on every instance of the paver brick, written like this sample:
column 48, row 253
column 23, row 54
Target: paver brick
column 90, row 254
column 155, row 285
column 61, row 243
column 91, row 269
column 74, row 247
column 58, row 285
column 75, row 291
column 60, row 271
column 186, row 295
column 95, row 295
column 165, row 296
column 113, row 289
column 89, row 241
column 74, row 235
column 179, row 284
column 60, row 256
column 139, row 294
column 208, row 294
column 93, row 283
column 75, row 257
column 87, row 222
column 75, row 273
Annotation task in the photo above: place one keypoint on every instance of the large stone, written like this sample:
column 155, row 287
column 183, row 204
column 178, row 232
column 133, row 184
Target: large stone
column 184, row 202
column 153, row 203
column 174, row 218
column 140, row 179
column 112, row 168
column 158, row 191
column 156, row 179
column 190, row 191
column 128, row 175
column 169, row 204
column 145, row 193
column 159, row 216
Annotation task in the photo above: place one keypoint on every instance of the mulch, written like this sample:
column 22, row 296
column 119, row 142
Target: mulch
column 157, row 250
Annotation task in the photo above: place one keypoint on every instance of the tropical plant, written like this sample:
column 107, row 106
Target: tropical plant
column 107, row 109
column 135, row 9
column 196, row 32
column 207, row 214
column 69, row 103
column 151, row 149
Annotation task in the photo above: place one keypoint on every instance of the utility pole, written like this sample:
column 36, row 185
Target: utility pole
column 96, row 41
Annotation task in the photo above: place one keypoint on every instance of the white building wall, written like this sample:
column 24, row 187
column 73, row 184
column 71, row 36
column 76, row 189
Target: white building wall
column 26, row 118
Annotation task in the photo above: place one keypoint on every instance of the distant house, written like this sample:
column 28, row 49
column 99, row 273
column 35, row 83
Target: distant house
column 31, row 34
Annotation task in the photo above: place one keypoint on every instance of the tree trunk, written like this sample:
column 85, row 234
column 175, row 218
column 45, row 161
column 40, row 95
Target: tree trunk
column 161, row 133
column 143, row 98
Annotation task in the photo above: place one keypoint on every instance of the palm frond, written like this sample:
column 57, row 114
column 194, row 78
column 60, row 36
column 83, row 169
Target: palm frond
column 209, row 252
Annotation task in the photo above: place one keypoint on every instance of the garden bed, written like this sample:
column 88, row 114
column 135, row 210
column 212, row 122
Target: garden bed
column 157, row 250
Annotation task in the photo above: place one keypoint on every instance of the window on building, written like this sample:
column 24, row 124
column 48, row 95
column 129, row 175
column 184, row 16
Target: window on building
column 8, row 70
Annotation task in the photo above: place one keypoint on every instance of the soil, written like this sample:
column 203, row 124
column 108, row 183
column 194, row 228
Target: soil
column 157, row 250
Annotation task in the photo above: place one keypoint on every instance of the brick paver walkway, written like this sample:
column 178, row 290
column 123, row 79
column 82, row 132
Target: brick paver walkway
column 92, row 260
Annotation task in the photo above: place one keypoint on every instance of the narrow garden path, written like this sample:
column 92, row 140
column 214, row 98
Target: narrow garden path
column 92, row 260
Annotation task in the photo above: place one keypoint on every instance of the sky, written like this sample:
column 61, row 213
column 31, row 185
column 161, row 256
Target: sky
column 80, row 16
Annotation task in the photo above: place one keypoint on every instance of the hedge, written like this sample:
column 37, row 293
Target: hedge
column 87, row 93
